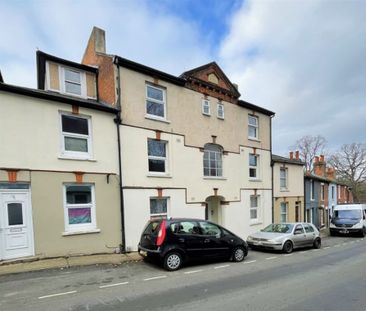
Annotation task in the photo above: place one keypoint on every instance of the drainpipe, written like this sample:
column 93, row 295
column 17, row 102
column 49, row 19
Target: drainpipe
column 270, row 129
column 118, row 120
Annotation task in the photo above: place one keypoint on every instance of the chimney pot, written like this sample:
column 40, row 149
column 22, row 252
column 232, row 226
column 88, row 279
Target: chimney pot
column 316, row 159
column 321, row 158
column 297, row 155
column 291, row 155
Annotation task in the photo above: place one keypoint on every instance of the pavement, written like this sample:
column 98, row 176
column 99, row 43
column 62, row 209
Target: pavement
column 37, row 264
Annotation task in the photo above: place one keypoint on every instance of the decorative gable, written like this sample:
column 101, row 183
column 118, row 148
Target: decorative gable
column 211, row 80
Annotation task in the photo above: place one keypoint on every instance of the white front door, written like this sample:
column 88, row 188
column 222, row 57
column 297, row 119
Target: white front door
column 16, row 230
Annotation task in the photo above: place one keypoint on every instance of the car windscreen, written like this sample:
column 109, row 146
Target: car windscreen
column 347, row 214
column 279, row 228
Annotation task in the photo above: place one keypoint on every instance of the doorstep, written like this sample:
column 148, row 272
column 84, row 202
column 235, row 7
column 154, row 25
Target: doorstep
column 37, row 263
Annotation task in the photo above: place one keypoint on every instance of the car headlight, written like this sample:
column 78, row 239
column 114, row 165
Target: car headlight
column 358, row 225
column 249, row 238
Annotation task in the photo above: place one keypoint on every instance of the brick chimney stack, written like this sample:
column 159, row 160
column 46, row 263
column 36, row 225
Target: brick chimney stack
column 319, row 166
column 291, row 155
column 95, row 55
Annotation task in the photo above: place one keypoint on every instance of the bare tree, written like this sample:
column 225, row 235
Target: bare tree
column 309, row 147
column 350, row 165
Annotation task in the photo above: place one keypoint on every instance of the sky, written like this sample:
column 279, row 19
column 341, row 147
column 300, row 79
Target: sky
column 304, row 60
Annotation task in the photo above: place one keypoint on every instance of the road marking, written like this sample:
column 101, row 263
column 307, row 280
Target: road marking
column 303, row 252
column 337, row 245
column 344, row 243
column 269, row 258
column 59, row 294
column 288, row 255
column 220, row 267
column 111, row 285
column 326, row 247
column 315, row 250
column 156, row 278
column 246, row 262
column 193, row 271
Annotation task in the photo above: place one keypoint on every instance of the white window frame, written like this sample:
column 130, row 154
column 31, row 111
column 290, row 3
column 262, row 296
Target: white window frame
column 283, row 213
column 76, row 154
column 255, row 126
column 165, row 159
column 216, row 154
column 256, row 208
column 206, row 104
column 63, row 81
column 220, row 107
column 312, row 190
column 254, row 167
column 285, row 179
column 163, row 102
column 80, row 227
column 160, row 215
column 322, row 190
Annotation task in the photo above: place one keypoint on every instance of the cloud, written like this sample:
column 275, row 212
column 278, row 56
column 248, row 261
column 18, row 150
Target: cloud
column 142, row 31
column 305, row 61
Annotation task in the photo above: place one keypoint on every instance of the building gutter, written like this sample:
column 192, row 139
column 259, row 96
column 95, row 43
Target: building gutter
column 118, row 120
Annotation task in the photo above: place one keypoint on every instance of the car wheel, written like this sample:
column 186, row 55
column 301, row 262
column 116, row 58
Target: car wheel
column 238, row 254
column 173, row 261
column 287, row 247
column 317, row 243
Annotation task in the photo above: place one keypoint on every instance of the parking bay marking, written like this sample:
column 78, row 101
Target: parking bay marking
column 156, row 278
column 326, row 247
column 288, row 255
column 270, row 258
column 247, row 262
column 112, row 285
column 59, row 294
column 223, row 266
column 193, row 271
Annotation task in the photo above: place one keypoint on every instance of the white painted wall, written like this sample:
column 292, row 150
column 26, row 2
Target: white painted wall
column 32, row 136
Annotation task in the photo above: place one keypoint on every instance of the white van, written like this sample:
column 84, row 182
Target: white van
column 348, row 218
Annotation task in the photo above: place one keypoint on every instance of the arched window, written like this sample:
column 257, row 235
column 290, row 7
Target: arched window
column 212, row 160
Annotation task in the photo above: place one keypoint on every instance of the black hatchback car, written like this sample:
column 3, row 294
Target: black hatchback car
column 173, row 241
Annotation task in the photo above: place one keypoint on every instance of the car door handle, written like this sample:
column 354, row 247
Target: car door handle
column 206, row 240
column 181, row 240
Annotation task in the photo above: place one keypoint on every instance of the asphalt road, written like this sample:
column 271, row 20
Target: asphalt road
column 332, row 278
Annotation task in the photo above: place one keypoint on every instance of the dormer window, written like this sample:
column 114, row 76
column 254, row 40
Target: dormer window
column 72, row 81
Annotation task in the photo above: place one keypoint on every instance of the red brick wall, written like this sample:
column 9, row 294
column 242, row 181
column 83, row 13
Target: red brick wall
column 106, row 78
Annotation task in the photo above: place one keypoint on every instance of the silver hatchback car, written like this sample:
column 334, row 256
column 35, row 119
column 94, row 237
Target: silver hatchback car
column 285, row 237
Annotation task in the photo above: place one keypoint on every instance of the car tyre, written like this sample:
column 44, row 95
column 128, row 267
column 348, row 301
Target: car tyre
column 173, row 261
column 317, row 243
column 288, row 247
column 238, row 254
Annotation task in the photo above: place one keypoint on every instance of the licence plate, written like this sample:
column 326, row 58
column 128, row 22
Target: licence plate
column 344, row 231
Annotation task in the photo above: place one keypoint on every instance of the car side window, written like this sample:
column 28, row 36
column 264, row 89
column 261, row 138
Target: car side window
column 185, row 227
column 299, row 229
column 210, row 229
column 308, row 228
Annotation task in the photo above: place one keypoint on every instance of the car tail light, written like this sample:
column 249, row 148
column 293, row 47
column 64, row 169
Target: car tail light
column 161, row 235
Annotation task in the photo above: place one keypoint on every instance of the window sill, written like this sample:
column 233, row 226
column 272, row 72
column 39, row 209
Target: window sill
column 255, row 179
column 62, row 157
column 159, row 175
column 220, row 118
column 255, row 222
column 254, row 139
column 214, row 178
column 206, row 114
column 150, row 117
column 69, row 233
